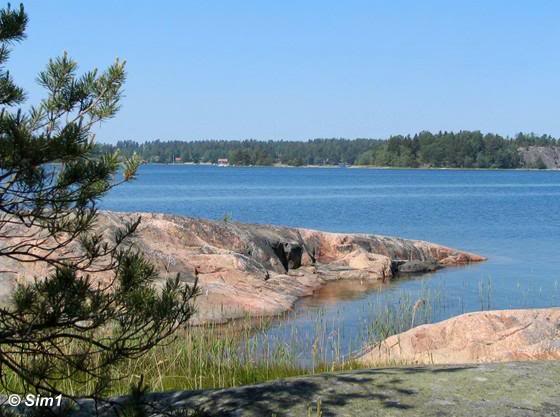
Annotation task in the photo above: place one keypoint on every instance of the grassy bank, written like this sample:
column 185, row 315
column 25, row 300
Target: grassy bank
column 245, row 352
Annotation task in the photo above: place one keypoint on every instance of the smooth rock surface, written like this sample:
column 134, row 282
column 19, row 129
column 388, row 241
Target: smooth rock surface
column 498, row 390
column 255, row 269
column 488, row 336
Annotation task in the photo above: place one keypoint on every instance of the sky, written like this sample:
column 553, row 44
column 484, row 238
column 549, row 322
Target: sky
column 296, row 70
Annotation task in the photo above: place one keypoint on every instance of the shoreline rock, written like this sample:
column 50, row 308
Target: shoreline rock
column 500, row 390
column 250, row 269
column 486, row 336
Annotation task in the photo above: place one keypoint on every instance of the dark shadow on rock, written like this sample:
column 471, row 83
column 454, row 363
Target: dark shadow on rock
column 335, row 391
column 385, row 388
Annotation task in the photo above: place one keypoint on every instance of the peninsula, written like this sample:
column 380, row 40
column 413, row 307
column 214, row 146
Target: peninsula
column 249, row 269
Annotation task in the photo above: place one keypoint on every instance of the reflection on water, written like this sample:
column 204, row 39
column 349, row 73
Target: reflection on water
column 511, row 217
column 343, row 317
column 334, row 292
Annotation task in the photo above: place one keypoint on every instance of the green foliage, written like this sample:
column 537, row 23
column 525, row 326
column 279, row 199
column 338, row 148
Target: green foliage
column 249, row 152
column 453, row 150
column 244, row 352
column 97, row 305
column 12, row 29
column 465, row 149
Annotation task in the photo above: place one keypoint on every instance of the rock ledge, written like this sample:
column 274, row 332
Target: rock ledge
column 260, row 269
column 487, row 336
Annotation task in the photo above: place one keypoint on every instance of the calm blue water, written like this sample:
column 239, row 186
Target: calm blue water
column 512, row 217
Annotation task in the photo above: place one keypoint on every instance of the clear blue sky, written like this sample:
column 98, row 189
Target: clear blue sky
column 304, row 69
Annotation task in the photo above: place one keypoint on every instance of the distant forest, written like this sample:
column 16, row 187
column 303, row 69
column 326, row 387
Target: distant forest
column 464, row 149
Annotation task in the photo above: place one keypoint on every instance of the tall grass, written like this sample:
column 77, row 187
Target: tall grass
column 246, row 351
column 243, row 352
column 408, row 311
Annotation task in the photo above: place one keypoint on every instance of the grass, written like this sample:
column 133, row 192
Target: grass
column 247, row 352
column 408, row 311
column 218, row 356
column 243, row 352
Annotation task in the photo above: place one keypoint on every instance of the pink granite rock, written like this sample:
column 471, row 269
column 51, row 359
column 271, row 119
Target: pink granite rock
column 255, row 269
column 488, row 336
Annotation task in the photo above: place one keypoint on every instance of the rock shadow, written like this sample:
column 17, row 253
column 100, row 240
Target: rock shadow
column 382, row 388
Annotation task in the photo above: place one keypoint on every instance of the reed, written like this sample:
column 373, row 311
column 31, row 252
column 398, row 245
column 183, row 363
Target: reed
column 246, row 352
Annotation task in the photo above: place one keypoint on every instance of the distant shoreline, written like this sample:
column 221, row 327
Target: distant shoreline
column 393, row 168
column 424, row 149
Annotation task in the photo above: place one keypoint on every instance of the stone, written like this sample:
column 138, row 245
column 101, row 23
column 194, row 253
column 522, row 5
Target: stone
column 518, row 389
column 411, row 267
column 246, row 269
column 487, row 336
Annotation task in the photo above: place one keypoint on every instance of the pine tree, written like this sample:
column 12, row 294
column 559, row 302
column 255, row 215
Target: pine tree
column 67, row 325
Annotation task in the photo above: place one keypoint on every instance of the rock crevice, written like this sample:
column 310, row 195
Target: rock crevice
column 261, row 269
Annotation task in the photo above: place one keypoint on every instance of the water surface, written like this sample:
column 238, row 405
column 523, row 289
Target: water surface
column 512, row 217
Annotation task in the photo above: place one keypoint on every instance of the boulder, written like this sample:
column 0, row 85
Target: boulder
column 415, row 266
column 487, row 336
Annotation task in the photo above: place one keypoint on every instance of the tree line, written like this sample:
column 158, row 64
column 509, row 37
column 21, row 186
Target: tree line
column 464, row 149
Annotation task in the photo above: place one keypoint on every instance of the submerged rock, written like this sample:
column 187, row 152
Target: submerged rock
column 257, row 269
column 487, row 336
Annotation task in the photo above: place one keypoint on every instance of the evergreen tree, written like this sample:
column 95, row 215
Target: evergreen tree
column 67, row 325
column 469, row 149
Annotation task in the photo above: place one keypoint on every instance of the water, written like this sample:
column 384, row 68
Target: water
column 512, row 217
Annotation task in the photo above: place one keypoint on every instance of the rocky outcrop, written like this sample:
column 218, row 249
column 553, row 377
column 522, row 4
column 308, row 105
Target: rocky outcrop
column 498, row 390
column 258, row 269
column 540, row 156
column 415, row 267
column 488, row 336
